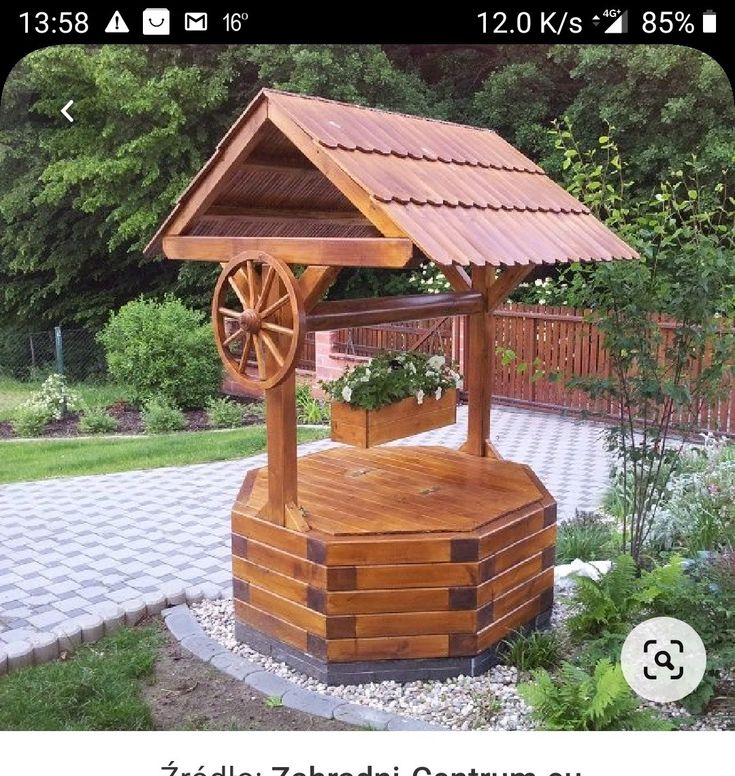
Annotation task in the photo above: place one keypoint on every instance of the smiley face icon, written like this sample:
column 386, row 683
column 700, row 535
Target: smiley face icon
column 156, row 21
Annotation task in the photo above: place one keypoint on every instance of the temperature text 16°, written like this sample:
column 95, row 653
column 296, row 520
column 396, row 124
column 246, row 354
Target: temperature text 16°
column 552, row 22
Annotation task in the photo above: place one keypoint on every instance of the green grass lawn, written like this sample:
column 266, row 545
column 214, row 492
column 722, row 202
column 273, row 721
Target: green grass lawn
column 14, row 392
column 96, row 689
column 41, row 459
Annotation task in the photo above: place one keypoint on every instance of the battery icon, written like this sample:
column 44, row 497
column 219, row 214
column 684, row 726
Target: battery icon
column 709, row 21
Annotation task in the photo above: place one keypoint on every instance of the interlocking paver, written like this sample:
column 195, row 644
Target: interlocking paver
column 67, row 545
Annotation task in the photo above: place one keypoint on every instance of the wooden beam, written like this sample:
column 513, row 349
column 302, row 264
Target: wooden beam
column 479, row 390
column 329, row 251
column 508, row 279
column 391, row 309
column 224, row 164
column 458, row 278
column 220, row 212
column 314, row 283
column 320, row 158
column 280, row 416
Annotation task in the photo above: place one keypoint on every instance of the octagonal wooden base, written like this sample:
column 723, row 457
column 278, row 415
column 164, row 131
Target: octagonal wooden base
column 418, row 562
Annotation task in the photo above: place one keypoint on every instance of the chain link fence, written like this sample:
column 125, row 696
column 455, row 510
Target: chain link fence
column 34, row 355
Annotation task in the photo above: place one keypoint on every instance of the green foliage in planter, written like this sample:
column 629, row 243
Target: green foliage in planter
column 577, row 700
column 162, row 349
column 527, row 652
column 587, row 537
column 621, row 597
column 309, row 409
column 29, row 419
column 161, row 416
column 392, row 376
column 223, row 412
column 96, row 420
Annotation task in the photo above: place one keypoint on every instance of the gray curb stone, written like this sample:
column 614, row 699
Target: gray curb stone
column 363, row 716
column 45, row 647
column 20, row 655
column 292, row 696
column 233, row 665
column 112, row 615
column 69, row 635
column 135, row 611
column 269, row 684
column 155, row 603
column 3, row 662
column 201, row 646
column 175, row 594
column 93, row 628
column 311, row 703
column 194, row 595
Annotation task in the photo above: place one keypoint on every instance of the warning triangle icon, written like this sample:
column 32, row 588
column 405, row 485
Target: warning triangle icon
column 117, row 23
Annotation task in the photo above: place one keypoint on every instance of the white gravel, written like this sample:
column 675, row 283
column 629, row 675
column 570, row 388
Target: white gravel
column 486, row 702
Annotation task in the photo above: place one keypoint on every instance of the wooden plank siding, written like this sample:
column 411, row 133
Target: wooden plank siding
column 432, row 581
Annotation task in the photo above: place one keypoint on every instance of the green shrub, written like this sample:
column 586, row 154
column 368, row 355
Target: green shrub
column 621, row 597
column 29, row 419
column 309, row 409
column 538, row 649
column 161, row 416
column 224, row 413
column 586, row 537
column 577, row 700
column 162, row 349
column 96, row 420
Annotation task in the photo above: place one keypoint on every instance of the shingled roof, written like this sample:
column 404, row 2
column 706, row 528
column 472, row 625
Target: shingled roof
column 319, row 168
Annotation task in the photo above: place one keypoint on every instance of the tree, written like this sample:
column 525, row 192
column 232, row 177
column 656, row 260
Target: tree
column 666, row 320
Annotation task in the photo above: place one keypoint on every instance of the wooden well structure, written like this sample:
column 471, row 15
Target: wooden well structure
column 389, row 562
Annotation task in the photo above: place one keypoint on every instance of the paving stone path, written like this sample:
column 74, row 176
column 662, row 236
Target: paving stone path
column 71, row 545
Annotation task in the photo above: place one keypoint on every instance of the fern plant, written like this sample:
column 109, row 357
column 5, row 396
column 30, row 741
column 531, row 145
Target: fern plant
column 577, row 700
column 622, row 596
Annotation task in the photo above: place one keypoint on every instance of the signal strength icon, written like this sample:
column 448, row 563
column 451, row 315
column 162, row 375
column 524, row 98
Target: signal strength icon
column 619, row 26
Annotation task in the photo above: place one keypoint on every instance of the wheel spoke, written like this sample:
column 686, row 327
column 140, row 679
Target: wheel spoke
column 275, row 306
column 267, row 283
column 251, row 283
column 228, row 313
column 277, row 328
column 234, row 336
column 238, row 292
column 272, row 347
column 259, row 357
column 246, row 348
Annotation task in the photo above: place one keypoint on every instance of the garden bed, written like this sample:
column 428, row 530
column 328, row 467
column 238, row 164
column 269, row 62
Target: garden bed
column 130, row 421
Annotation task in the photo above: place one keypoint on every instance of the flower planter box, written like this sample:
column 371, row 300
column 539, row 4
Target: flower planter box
column 366, row 428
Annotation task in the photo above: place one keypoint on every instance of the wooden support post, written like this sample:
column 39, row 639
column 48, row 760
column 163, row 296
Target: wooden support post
column 280, row 409
column 478, row 367
column 280, row 418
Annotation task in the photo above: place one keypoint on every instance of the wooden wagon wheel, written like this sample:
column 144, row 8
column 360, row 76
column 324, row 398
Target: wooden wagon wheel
column 257, row 310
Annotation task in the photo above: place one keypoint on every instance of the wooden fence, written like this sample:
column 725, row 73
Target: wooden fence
column 547, row 339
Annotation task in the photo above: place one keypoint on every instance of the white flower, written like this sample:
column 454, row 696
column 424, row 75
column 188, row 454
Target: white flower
column 438, row 393
column 420, row 396
column 538, row 282
column 347, row 393
column 459, row 383
column 437, row 362
column 367, row 371
column 412, row 367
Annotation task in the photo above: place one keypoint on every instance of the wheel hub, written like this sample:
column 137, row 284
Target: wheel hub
column 249, row 321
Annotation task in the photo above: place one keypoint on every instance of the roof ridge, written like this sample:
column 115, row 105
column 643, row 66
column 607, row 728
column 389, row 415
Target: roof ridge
column 268, row 90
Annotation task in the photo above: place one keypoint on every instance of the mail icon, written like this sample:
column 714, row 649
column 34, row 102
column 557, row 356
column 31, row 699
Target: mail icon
column 195, row 21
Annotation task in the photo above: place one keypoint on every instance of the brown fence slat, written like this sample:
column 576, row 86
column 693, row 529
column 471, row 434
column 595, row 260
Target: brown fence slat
column 560, row 337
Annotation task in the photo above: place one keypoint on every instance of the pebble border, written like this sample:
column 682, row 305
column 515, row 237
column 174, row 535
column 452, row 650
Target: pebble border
column 184, row 627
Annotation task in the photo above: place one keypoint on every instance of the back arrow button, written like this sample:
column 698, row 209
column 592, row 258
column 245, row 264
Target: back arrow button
column 65, row 111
